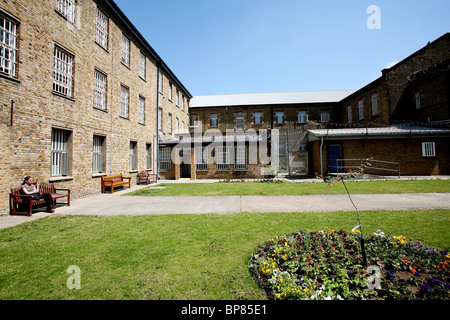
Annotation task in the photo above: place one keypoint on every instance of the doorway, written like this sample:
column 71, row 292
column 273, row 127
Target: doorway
column 334, row 153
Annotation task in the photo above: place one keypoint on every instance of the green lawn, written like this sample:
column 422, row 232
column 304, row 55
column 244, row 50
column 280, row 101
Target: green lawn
column 259, row 188
column 171, row 256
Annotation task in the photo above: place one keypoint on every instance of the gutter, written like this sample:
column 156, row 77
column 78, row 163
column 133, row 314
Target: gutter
column 321, row 156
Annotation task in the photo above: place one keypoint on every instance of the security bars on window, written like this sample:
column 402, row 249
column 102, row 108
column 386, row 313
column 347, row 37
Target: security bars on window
column 8, row 52
column 201, row 158
column 101, row 33
column 99, row 90
column 124, row 101
column 97, row 156
column 125, row 50
column 223, row 158
column 63, row 72
column 141, row 110
column 67, row 9
column 240, row 158
column 60, row 158
column 164, row 159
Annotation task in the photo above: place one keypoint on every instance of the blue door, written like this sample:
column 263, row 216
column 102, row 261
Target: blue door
column 334, row 153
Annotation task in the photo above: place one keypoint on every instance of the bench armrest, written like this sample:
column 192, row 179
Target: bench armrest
column 129, row 178
column 59, row 189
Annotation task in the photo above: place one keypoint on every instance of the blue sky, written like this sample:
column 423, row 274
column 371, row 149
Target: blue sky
column 248, row 46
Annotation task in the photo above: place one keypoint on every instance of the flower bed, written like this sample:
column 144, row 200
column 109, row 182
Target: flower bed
column 328, row 265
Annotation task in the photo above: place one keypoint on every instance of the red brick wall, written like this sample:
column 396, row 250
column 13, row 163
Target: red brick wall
column 406, row 151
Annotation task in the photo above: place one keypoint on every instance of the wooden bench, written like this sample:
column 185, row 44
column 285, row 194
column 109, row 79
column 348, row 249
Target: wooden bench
column 146, row 177
column 115, row 181
column 22, row 204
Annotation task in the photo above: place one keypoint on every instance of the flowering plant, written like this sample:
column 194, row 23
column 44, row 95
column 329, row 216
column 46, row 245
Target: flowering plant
column 328, row 264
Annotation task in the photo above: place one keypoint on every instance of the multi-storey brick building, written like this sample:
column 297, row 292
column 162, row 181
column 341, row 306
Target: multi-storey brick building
column 401, row 117
column 80, row 94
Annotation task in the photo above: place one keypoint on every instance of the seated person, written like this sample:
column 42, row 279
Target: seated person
column 29, row 188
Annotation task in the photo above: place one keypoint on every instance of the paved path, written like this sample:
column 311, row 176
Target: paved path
column 117, row 204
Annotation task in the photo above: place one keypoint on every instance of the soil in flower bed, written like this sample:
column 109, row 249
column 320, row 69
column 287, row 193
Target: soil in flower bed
column 328, row 265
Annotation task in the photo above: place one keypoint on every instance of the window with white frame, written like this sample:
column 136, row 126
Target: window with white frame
column 67, row 9
column 240, row 120
column 160, row 119
column 169, row 123
column 177, row 125
column 223, row 158
column 428, row 149
column 160, row 82
column 170, row 91
column 361, row 110
column 98, row 155
column 418, row 100
column 141, row 110
column 63, row 72
column 182, row 102
column 374, row 98
column 142, row 66
column 164, row 159
column 101, row 32
column 8, row 51
column 302, row 117
column 125, row 50
column 279, row 117
column 257, row 117
column 349, row 114
column 124, row 101
column 214, row 120
column 178, row 98
column 325, row 116
column 201, row 158
column 60, row 165
column 240, row 158
column 133, row 155
column 99, row 90
column 148, row 156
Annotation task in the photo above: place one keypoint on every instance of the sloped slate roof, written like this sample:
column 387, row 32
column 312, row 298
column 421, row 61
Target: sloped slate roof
column 251, row 99
column 392, row 131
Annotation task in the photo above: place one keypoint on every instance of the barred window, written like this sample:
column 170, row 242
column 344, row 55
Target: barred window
column 240, row 158
column 142, row 66
column 374, row 104
column 133, row 155
column 99, row 90
column 141, row 110
column 201, row 158
column 59, row 153
column 325, row 116
column 164, row 159
column 125, row 50
column 240, row 121
column 223, row 158
column 169, row 123
column 124, row 101
column 98, row 158
column 257, row 117
column 67, row 9
column 214, row 120
column 63, row 72
column 428, row 149
column 8, row 51
column 148, row 156
column 101, row 33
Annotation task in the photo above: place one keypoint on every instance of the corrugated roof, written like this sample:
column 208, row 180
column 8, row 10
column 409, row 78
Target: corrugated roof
column 395, row 130
column 251, row 99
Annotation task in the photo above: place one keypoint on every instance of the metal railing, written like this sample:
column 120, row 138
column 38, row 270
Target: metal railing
column 367, row 164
